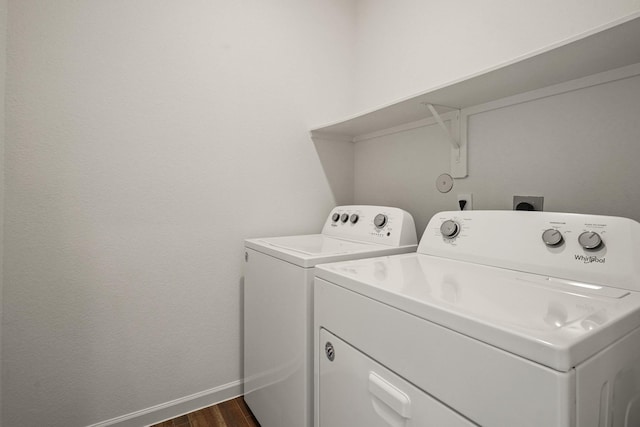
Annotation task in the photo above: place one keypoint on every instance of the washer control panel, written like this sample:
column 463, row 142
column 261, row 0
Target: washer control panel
column 379, row 224
column 589, row 248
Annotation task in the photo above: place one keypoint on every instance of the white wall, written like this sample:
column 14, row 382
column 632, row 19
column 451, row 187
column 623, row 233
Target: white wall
column 407, row 47
column 401, row 170
column 574, row 149
column 145, row 141
column 577, row 149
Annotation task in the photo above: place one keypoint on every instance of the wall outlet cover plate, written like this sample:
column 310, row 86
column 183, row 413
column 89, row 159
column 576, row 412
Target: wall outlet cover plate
column 528, row 203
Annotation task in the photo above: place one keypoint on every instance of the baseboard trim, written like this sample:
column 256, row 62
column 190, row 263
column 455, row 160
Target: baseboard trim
column 175, row 408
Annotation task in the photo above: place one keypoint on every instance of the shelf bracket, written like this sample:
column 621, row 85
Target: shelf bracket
column 454, row 142
column 456, row 137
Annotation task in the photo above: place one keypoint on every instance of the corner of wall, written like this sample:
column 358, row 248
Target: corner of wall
column 338, row 162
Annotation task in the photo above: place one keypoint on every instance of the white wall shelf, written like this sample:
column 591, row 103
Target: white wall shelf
column 612, row 46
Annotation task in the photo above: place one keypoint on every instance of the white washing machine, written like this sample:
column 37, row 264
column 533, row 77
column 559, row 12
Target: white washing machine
column 501, row 319
column 278, row 304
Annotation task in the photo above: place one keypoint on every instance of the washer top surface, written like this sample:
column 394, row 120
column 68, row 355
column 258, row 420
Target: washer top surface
column 557, row 322
column 317, row 245
column 349, row 232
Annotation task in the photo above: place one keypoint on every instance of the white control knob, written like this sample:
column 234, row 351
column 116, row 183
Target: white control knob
column 449, row 229
column 335, row 217
column 590, row 240
column 344, row 217
column 354, row 218
column 552, row 237
column 380, row 220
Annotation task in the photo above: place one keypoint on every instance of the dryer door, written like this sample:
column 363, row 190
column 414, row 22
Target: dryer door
column 355, row 390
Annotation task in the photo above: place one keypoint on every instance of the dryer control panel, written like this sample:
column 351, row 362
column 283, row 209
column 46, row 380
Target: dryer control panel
column 588, row 248
column 377, row 224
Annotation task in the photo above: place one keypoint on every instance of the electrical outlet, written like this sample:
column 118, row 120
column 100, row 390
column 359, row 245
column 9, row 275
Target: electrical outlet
column 528, row 203
column 465, row 202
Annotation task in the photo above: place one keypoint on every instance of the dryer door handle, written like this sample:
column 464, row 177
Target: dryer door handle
column 390, row 395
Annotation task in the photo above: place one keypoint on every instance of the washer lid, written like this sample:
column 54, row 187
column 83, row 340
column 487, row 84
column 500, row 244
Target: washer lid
column 312, row 249
column 316, row 244
column 555, row 322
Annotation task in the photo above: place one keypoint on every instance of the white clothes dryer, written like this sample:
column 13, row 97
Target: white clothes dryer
column 278, row 304
column 501, row 318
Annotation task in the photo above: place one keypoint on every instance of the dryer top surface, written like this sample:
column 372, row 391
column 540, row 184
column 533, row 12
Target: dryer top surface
column 556, row 322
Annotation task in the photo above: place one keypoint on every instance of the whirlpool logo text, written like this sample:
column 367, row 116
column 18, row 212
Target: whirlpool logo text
column 590, row 259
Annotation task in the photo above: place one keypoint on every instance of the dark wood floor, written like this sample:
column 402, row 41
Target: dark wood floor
column 232, row 413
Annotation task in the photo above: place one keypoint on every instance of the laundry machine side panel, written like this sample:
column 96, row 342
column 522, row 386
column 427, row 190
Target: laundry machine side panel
column 608, row 386
column 277, row 342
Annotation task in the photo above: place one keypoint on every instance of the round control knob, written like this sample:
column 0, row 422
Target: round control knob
column 552, row 237
column 449, row 229
column 344, row 217
column 590, row 240
column 380, row 220
column 335, row 217
column 354, row 218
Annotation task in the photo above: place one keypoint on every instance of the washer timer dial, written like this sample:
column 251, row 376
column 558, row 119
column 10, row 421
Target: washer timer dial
column 449, row 229
column 590, row 240
column 380, row 220
column 552, row 237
